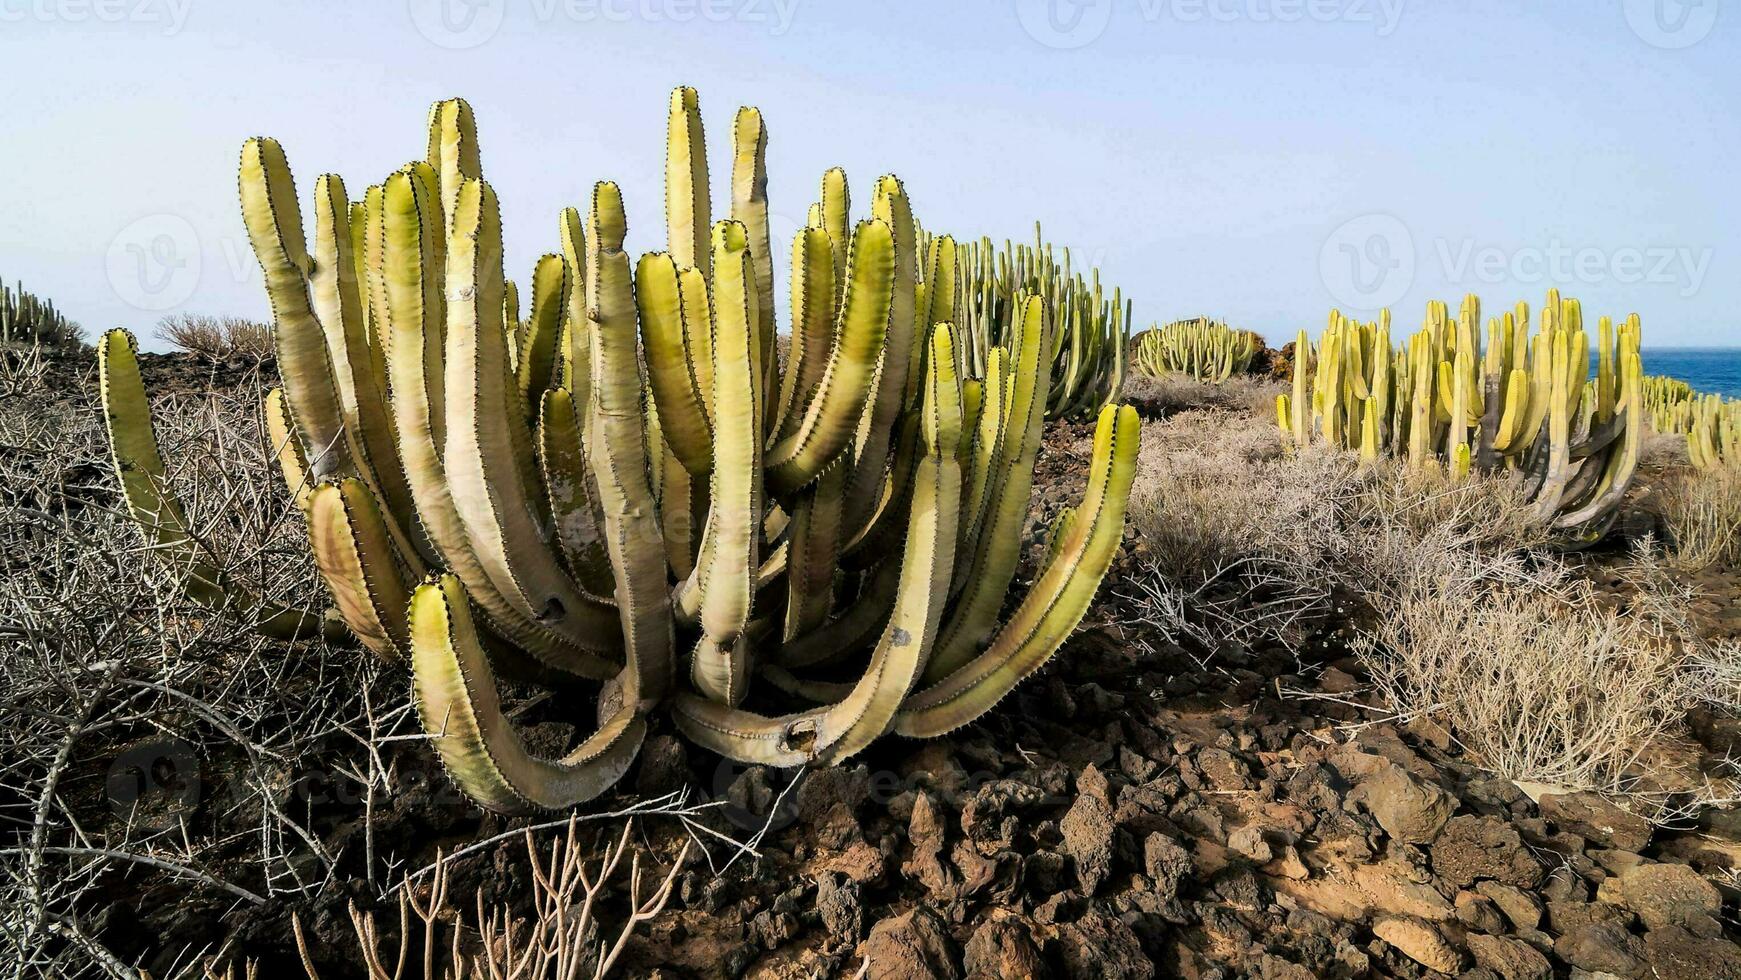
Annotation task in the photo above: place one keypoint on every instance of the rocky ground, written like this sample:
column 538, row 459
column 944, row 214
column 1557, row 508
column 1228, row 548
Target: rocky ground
column 1142, row 808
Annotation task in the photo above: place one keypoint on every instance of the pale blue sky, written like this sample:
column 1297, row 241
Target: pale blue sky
column 1261, row 160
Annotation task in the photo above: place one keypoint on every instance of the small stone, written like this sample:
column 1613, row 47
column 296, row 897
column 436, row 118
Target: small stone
column 1675, row 952
column 1002, row 947
column 1591, row 816
column 1166, row 863
column 1522, row 908
column 1088, row 837
column 1224, row 769
column 1248, row 841
column 912, row 946
column 1602, row 948
column 1510, row 958
column 1471, row 848
column 1409, row 810
column 1564, row 917
column 1669, row 894
column 838, row 905
column 1479, row 914
column 1419, row 942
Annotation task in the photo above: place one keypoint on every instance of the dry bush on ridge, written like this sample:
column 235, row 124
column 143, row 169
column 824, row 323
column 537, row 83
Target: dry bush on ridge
column 1175, row 392
column 1701, row 513
column 219, row 338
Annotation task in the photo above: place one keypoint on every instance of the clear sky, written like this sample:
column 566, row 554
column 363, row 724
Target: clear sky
column 1261, row 160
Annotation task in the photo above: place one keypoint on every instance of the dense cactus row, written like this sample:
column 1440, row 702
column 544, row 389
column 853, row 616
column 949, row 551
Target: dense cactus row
column 1714, row 432
column 1519, row 404
column 28, row 319
column 1201, row 348
column 1090, row 345
column 1668, row 403
column 625, row 485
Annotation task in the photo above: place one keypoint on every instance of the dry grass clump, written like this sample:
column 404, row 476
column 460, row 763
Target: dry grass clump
column 1177, row 392
column 219, row 338
column 1535, row 677
column 1701, row 513
column 1261, row 542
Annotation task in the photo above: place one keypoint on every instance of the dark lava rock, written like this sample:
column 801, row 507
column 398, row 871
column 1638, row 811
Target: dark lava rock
column 1166, row 863
column 1471, row 848
column 1593, row 817
column 1676, row 954
column 1409, row 810
column 839, row 907
column 1098, row 947
column 913, row 946
column 1088, row 837
column 664, row 766
column 1512, row 959
column 1001, row 948
column 1670, row 894
column 1603, row 948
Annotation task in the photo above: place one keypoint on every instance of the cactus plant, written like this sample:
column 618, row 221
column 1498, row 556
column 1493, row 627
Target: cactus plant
column 1200, row 348
column 1714, row 432
column 625, row 486
column 1515, row 404
column 27, row 319
column 1090, row 347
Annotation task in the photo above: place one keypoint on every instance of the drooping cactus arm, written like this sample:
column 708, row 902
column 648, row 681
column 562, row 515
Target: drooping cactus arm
column 620, row 447
column 837, row 403
column 461, row 710
column 1621, row 465
column 412, row 257
column 140, row 471
column 485, row 435
column 274, row 222
column 356, row 557
column 729, row 553
column 1057, row 601
column 992, row 565
column 853, row 630
column 834, row 733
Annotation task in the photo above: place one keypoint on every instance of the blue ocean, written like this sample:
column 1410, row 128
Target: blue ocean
column 1710, row 370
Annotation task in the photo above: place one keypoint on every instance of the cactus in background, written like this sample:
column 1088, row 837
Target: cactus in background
column 27, row 319
column 1669, row 403
column 623, row 485
column 1714, row 432
column 1090, row 347
column 1506, row 402
column 1204, row 349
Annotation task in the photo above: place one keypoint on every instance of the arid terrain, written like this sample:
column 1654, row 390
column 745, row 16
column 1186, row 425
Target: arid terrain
column 1245, row 763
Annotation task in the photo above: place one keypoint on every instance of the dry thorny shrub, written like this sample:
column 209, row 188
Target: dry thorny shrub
column 1171, row 393
column 1457, row 603
column 1701, row 513
column 218, row 338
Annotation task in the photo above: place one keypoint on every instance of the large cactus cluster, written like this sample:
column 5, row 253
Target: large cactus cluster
column 1201, row 348
column 1454, row 398
column 627, row 486
column 1668, row 403
column 1089, row 348
column 27, row 319
column 1714, row 432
